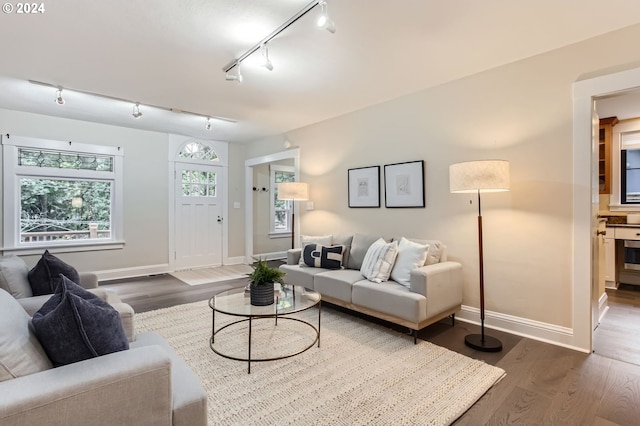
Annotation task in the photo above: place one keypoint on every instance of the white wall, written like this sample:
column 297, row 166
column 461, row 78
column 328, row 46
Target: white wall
column 236, row 190
column 261, row 209
column 145, row 189
column 521, row 112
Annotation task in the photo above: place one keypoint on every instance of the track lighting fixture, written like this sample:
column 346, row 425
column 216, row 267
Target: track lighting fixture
column 266, row 62
column 136, row 111
column 59, row 98
column 234, row 77
column 324, row 21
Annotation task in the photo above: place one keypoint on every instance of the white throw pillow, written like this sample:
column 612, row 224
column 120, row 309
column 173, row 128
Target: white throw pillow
column 379, row 260
column 325, row 240
column 410, row 256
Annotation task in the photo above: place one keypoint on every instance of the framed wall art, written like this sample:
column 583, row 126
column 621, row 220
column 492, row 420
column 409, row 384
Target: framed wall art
column 364, row 187
column 404, row 184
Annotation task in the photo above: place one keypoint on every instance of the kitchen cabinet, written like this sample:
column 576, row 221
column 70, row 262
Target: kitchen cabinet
column 604, row 148
column 609, row 248
column 626, row 233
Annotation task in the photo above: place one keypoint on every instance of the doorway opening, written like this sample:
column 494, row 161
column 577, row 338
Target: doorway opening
column 290, row 158
column 586, row 198
column 616, row 335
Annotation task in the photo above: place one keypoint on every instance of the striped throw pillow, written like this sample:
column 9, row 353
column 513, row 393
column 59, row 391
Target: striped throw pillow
column 378, row 262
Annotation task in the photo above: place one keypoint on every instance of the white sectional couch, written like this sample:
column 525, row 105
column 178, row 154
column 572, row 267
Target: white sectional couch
column 434, row 293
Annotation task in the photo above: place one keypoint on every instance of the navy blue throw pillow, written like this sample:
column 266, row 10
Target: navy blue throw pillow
column 74, row 325
column 319, row 256
column 43, row 277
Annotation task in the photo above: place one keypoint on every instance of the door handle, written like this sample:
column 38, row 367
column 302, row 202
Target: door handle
column 219, row 219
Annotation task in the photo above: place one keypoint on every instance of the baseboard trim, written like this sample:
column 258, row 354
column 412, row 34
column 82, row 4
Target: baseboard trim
column 143, row 271
column 272, row 256
column 603, row 306
column 238, row 260
column 536, row 330
column 136, row 271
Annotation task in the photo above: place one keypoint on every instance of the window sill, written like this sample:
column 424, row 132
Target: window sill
column 63, row 247
column 624, row 207
column 274, row 235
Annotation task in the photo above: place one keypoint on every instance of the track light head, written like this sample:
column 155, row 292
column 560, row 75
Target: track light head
column 266, row 62
column 136, row 111
column 324, row 21
column 234, row 77
column 327, row 24
column 208, row 125
column 59, row 99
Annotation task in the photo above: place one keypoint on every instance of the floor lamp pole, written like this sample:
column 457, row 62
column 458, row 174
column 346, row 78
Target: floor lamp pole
column 293, row 224
column 481, row 342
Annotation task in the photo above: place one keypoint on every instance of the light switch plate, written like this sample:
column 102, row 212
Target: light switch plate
column 236, row 204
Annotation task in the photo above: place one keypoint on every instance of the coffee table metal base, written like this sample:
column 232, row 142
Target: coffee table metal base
column 250, row 320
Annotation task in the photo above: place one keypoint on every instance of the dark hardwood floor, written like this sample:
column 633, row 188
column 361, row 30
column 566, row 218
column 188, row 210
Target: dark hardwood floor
column 545, row 384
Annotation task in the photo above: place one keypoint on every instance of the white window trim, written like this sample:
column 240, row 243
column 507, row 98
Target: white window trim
column 12, row 173
column 273, row 233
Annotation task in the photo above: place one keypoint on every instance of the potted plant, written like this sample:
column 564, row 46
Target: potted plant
column 262, row 279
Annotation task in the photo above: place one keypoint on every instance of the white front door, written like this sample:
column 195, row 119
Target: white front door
column 198, row 215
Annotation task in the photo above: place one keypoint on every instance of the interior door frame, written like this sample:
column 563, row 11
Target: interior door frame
column 176, row 142
column 291, row 153
column 584, row 94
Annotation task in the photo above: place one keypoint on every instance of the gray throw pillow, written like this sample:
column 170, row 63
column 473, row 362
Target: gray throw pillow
column 13, row 277
column 74, row 325
column 43, row 277
column 359, row 247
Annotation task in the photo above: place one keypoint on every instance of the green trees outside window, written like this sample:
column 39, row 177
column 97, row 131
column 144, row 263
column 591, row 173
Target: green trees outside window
column 64, row 209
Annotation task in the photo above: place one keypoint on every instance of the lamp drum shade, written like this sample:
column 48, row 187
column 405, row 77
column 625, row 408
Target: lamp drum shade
column 293, row 191
column 483, row 175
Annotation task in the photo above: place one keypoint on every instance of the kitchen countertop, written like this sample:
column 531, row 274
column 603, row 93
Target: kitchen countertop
column 623, row 225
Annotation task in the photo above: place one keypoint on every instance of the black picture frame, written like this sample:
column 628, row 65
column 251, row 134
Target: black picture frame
column 364, row 187
column 404, row 185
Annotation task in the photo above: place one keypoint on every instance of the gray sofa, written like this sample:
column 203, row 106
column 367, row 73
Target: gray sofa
column 13, row 279
column 147, row 384
column 434, row 293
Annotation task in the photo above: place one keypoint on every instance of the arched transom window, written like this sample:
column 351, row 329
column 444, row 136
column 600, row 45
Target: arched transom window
column 198, row 151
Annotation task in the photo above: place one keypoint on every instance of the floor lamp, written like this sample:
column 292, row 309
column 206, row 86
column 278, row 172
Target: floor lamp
column 293, row 191
column 477, row 177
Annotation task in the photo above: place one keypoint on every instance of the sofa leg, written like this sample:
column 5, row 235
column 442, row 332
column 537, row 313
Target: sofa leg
column 415, row 337
column 453, row 320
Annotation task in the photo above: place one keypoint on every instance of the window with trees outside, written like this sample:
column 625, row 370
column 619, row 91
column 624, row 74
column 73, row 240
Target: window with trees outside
column 280, row 210
column 60, row 193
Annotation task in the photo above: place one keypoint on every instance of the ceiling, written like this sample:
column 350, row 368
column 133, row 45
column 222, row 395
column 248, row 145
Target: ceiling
column 170, row 53
column 623, row 105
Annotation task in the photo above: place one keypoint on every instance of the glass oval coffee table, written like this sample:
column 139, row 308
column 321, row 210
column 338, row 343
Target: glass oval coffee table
column 290, row 299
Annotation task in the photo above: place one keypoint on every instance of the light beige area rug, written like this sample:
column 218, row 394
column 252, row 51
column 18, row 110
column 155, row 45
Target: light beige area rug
column 362, row 373
column 212, row 275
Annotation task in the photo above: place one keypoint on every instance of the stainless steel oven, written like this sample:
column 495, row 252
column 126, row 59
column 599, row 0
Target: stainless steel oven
column 632, row 255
